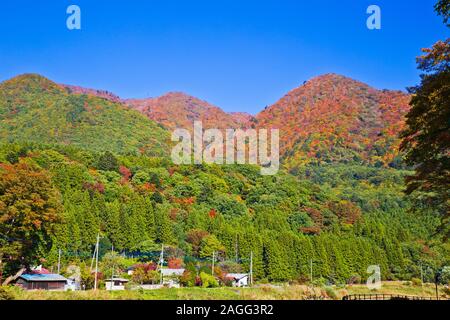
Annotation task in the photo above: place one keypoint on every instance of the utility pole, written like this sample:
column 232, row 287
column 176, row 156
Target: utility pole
column 236, row 249
column 59, row 261
column 112, row 269
column 212, row 268
column 96, row 262
column 251, row 268
column 161, row 260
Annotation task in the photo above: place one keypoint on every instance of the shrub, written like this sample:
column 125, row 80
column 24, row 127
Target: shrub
column 208, row 281
column 416, row 282
column 331, row 293
column 355, row 279
column 7, row 293
column 447, row 289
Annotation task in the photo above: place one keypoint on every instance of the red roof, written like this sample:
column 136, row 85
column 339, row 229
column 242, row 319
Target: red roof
column 41, row 271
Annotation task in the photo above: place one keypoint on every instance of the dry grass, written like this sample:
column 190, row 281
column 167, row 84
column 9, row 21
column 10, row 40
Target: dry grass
column 400, row 288
column 264, row 292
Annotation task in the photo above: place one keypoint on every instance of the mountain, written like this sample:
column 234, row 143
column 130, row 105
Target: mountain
column 329, row 119
column 332, row 118
column 179, row 110
column 35, row 109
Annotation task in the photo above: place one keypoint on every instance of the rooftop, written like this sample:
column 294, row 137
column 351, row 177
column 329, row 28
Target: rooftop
column 43, row 277
column 236, row 276
column 172, row 272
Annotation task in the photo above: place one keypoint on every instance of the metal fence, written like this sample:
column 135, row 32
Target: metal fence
column 385, row 297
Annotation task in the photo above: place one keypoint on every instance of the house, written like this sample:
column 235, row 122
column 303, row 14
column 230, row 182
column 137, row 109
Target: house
column 130, row 270
column 172, row 272
column 238, row 279
column 54, row 282
column 73, row 284
column 170, row 276
column 116, row 284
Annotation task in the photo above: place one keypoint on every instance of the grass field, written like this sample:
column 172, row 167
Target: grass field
column 267, row 292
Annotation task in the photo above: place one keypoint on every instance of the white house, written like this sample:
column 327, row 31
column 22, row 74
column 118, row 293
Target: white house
column 72, row 285
column 172, row 272
column 239, row 279
column 130, row 270
column 116, row 284
column 170, row 276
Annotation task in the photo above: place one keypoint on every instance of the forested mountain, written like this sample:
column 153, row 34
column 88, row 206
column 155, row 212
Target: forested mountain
column 35, row 109
column 334, row 119
column 178, row 110
column 343, row 218
column 106, row 170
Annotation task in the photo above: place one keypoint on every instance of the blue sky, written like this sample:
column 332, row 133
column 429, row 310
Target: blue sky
column 240, row 55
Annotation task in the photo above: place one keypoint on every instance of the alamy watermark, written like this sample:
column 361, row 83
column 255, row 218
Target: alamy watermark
column 374, row 20
column 374, row 280
column 239, row 146
column 73, row 22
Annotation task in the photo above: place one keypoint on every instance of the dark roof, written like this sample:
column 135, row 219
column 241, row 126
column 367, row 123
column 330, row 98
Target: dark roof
column 236, row 276
column 43, row 278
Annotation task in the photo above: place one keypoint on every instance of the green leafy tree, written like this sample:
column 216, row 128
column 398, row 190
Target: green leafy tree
column 427, row 136
column 108, row 162
column 443, row 9
column 210, row 244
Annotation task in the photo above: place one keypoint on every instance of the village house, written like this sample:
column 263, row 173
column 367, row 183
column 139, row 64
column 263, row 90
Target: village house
column 238, row 279
column 116, row 284
column 53, row 282
column 171, row 276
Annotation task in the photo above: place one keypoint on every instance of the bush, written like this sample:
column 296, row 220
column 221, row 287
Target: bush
column 7, row 293
column 416, row 282
column 331, row 293
column 208, row 281
column 355, row 279
column 447, row 289
column 445, row 275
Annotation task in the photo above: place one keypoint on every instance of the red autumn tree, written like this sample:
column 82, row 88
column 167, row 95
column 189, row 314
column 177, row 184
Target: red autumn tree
column 29, row 211
column 346, row 211
column 175, row 263
column 126, row 174
column 195, row 238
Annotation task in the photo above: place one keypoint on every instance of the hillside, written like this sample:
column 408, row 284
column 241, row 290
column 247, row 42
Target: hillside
column 345, row 216
column 329, row 119
column 35, row 109
column 179, row 110
column 332, row 119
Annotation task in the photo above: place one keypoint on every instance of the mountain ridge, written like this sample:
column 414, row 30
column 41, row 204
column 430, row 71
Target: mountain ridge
column 36, row 109
column 335, row 118
column 330, row 118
